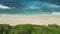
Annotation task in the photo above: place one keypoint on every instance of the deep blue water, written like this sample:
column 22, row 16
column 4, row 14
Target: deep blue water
column 29, row 7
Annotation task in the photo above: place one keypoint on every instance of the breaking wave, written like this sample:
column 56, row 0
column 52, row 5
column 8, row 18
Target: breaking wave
column 56, row 13
column 4, row 7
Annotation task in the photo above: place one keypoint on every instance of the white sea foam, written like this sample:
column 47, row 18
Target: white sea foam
column 49, row 5
column 10, row 15
column 56, row 13
column 4, row 7
column 20, row 15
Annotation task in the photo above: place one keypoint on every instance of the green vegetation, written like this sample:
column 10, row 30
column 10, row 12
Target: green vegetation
column 29, row 29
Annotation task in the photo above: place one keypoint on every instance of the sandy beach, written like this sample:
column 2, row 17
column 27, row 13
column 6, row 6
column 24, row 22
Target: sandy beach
column 38, row 20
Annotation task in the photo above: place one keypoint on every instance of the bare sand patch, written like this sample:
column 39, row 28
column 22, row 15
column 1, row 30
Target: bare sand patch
column 38, row 20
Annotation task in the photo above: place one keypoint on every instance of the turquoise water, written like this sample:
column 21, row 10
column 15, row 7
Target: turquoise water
column 23, row 11
column 28, row 7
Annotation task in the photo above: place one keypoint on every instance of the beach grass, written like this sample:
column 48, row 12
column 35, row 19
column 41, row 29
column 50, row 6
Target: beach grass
column 29, row 29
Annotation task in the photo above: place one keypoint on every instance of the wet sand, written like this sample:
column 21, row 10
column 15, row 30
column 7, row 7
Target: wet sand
column 38, row 20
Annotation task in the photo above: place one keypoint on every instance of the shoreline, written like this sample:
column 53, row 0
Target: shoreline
column 19, row 15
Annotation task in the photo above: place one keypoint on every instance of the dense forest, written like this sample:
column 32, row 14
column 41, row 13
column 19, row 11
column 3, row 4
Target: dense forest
column 29, row 29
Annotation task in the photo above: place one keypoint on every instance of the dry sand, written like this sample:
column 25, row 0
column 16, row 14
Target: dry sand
column 38, row 20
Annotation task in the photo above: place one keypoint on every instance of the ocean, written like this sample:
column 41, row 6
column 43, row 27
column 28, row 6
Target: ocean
column 28, row 7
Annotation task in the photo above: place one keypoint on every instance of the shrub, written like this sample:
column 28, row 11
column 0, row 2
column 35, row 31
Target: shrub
column 29, row 29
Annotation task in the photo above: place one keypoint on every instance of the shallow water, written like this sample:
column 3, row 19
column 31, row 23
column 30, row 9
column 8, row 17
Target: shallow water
column 23, row 11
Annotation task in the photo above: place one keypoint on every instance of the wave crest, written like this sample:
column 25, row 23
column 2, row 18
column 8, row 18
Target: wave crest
column 4, row 7
column 56, row 13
